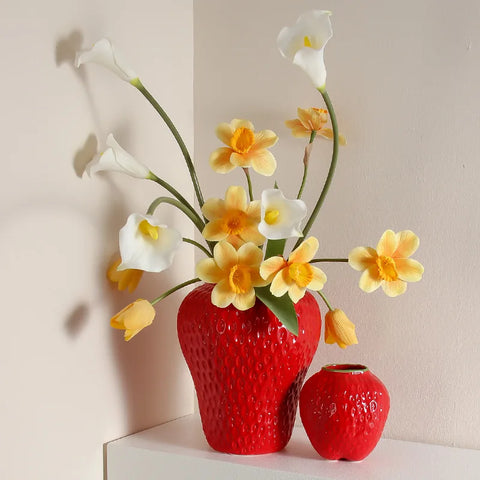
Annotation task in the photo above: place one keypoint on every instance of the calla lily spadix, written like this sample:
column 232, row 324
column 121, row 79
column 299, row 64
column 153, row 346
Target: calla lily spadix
column 280, row 218
column 116, row 159
column 103, row 53
column 304, row 43
column 145, row 244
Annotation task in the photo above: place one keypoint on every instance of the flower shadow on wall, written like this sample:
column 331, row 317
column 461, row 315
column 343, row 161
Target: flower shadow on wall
column 145, row 368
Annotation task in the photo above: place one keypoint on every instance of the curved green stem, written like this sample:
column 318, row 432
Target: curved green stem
column 171, row 201
column 174, row 289
column 198, row 245
column 139, row 85
column 316, row 260
column 173, row 191
column 324, row 298
column 331, row 170
column 304, row 179
column 249, row 182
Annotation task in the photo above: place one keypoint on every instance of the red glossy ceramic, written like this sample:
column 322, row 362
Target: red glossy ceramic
column 344, row 409
column 247, row 368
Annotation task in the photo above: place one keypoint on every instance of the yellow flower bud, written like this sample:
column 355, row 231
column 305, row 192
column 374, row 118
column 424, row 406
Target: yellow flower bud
column 339, row 329
column 134, row 317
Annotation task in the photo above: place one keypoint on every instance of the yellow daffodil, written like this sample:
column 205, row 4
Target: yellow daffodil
column 235, row 273
column 339, row 329
column 134, row 317
column 103, row 53
column 116, row 159
column 245, row 148
column 147, row 245
column 388, row 266
column 233, row 219
column 304, row 43
column 125, row 279
column 281, row 217
column 296, row 274
column 312, row 120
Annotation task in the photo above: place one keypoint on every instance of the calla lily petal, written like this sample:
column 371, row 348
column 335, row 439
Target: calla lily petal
column 304, row 43
column 147, row 245
column 116, row 159
column 103, row 53
column 280, row 217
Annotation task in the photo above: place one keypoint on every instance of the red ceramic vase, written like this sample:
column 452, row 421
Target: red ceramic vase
column 344, row 409
column 247, row 368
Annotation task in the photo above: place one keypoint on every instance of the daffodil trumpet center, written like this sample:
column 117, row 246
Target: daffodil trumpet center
column 301, row 273
column 242, row 140
column 234, row 222
column 386, row 268
column 272, row 216
column 240, row 279
column 148, row 230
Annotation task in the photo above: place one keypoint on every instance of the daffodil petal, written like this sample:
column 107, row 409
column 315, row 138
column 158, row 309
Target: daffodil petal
column 249, row 254
column 236, row 198
column 225, row 255
column 271, row 266
column 369, row 280
column 251, row 234
column 213, row 208
column 280, row 283
column 393, row 289
column 387, row 244
column 214, row 231
column 296, row 293
column 319, row 279
column 297, row 128
column 220, row 160
column 239, row 123
column 263, row 162
column 208, row 271
column 265, row 139
column 361, row 258
column 408, row 269
column 222, row 295
column 244, row 301
column 305, row 251
column 407, row 244
column 224, row 133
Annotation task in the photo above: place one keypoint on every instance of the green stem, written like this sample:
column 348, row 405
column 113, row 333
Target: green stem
column 171, row 201
column 324, row 298
column 173, row 290
column 173, row 191
column 139, row 85
column 331, row 170
column 306, row 157
column 316, row 260
column 198, row 245
column 249, row 182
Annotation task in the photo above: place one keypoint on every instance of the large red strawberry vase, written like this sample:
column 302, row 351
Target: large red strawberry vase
column 247, row 368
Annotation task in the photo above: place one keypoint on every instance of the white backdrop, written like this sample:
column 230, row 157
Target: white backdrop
column 69, row 381
column 404, row 81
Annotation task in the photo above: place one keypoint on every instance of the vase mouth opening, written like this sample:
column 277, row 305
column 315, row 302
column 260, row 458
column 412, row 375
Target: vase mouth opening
column 345, row 368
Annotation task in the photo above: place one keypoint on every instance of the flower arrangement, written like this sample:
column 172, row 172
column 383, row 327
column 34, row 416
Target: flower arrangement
column 244, row 238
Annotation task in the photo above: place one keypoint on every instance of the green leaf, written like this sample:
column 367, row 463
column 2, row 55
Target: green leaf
column 281, row 307
column 275, row 247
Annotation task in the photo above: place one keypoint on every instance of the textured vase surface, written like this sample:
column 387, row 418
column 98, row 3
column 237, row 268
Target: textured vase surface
column 344, row 409
column 247, row 368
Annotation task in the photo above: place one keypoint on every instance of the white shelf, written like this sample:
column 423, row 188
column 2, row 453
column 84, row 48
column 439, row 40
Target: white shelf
column 178, row 451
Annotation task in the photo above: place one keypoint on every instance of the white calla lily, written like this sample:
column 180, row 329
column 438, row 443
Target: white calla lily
column 304, row 43
column 103, row 53
column 280, row 217
column 147, row 245
column 116, row 159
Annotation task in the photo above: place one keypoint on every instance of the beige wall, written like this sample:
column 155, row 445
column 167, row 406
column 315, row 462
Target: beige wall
column 404, row 80
column 69, row 382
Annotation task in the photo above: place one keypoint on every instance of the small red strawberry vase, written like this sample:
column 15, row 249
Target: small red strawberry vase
column 247, row 368
column 344, row 409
